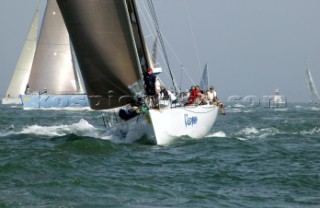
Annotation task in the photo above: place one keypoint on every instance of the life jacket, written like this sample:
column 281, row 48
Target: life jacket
column 193, row 95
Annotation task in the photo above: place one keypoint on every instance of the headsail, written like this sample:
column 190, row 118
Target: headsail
column 313, row 92
column 109, row 46
column 204, row 82
column 154, row 52
column 152, row 59
column 22, row 71
column 53, row 67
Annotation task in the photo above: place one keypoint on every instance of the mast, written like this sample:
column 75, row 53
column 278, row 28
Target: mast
column 159, row 35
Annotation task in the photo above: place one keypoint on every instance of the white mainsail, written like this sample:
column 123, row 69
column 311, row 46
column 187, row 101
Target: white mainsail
column 313, row 92
column 22, row 71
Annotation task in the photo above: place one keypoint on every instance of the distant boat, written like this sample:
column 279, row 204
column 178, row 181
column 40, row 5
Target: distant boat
column 21, row 74
column 204, row 82
column 113, row 60
column 277, row 99
column 54, row 81
column 313, row 92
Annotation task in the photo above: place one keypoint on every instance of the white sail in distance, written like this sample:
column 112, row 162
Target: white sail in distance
column 313, row 92
column 53, row 66
column 21, row 74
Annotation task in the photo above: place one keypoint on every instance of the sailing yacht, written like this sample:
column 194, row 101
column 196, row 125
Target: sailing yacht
column 314, row 97
column 21, row 74
column 113, row 61
column 54, row 81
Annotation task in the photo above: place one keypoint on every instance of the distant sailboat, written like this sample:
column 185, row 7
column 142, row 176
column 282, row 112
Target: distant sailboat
column 113, row 59
column 204, row 82
column 278, row 98
column 54, row 80
column 22, row 71
column 313, row 92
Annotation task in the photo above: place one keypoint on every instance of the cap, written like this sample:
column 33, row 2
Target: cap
column 149, row 69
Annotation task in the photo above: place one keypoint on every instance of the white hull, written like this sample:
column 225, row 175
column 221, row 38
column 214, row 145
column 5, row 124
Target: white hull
column 163, row 125
column 11, row 101
column 192, row 121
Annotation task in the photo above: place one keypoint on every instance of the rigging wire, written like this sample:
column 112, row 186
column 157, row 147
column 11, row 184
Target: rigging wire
column 166, row 41
column 155, row 20
column 192, row 33
column 149, row 28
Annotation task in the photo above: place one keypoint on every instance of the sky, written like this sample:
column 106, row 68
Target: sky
column 252, row 47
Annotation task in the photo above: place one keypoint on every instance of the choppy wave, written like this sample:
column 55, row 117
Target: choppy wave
column 122, row 137
column 251, row 158
column 7, row 131
column 83, row 128
column 281, row 109
column 233, row 110
column 253, row 133
column 313, row 131
column 315, row 108
column 217, row 134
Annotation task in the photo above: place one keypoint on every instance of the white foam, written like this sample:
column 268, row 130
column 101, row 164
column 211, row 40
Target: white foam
column 4, row 134
column 281, row 109
column 217, row 134
column 315, row 109
column 82, row 127
column 268, row 132
column 8, row 131
column 60, row 109
column 249, row 130
column 314, row 131
column 15, row 106
column 247, row 133
column 242, row 139
column 124, row 134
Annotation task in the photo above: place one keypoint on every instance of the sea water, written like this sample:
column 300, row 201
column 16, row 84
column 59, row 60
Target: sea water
column 252, row 157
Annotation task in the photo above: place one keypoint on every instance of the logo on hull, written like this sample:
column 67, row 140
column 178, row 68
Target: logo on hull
column 190, row 121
